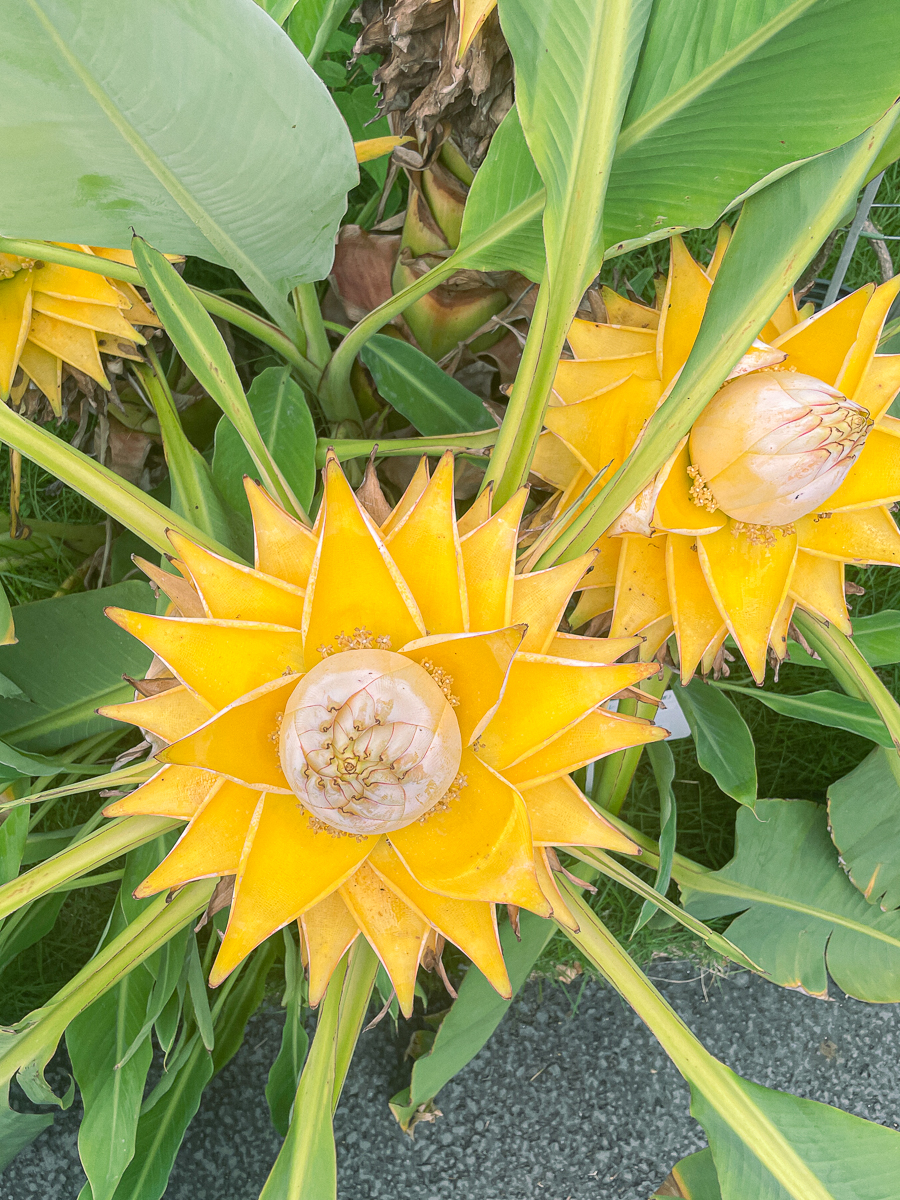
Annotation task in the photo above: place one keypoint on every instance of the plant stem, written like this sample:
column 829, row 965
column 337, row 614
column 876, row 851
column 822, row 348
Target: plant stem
column 617, row 770
column 849, row 667
column 706, row 1075
column 123, row 501
column 335, row 387
column 143, row 937
column 524, row 416
column 117, row 838
column 218, row 306
column 306, row 301
column 346, row 448
column 336, row 379
column 362, row 967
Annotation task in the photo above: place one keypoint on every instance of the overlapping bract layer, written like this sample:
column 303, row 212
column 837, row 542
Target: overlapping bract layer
column 52, row 315
column 675, row 560
column 345, row 606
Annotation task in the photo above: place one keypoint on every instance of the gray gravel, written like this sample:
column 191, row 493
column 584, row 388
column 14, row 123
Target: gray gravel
column 572, row 1099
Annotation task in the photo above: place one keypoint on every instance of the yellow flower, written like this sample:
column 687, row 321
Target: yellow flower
column 788, row 475
column 50, row 315
column 373, row 729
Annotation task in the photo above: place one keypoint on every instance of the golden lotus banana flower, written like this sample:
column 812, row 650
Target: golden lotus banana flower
column 51, row 315
column 787, row 475
column 373, row 729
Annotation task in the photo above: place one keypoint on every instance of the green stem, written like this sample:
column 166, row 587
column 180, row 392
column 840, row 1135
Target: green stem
column 617, row 770
column 346, row 448
column 359, row 981
column 123, row 501
column 102, row 847
column 524, row 418
column 850, row 668
column 705, row 1074
column 335, row 389
column 258, row 327
column 336, row 380
column 306, row 301
column 141, row 938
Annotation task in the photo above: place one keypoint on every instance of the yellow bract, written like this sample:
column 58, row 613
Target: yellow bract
column 52, row 315
column 674, row 559
column 373, row 730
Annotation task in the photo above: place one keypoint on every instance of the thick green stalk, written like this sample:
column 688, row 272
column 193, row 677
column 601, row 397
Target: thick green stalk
column 705, row 1074
column 849, row 667
column 102, row 847
column 347, row 448
column 123, row 501
column 137, row 942
column 524, row 417
column 218, row 306
column 306, row 301
column 362, row 967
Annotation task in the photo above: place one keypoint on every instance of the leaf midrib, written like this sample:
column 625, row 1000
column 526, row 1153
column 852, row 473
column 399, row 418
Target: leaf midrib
column 642, row 128
column 710, row 885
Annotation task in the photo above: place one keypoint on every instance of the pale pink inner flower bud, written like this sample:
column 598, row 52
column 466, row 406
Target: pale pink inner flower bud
column 776, row 445
column 369, row 741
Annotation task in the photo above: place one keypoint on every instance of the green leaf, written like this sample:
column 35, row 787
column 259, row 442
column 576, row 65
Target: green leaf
column 864, row 818
column 799, row 911
column 199, row 999
column 574, row 65
column 165, row 1116
column 695, row 1177
column 505, row 181
column 833, row 709
column 7, row 625
column 722, row 740
column 18, row 1130
column 877, row 636
column 852, row 1158
column 432, row 401
column 194, row 491
column 475, row 1015
column 98, row 1040
column 200, row 344
column 663, row 764
column 284, row 1074
column 70, row 659
column 707, row 124
column 779, row 231
column 242, row 1001
column 282, row 416
column 105, row 103
column 306, row 1167
column 278, row 10
column 28, row 926
column 13, row 832
column 359, row 109
column 312, row 23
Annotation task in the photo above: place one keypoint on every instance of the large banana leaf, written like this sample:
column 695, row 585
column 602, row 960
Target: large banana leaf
column 711, row 113
column 799, row 911
column 69, row 660
column 198, row 126
column 864, row 818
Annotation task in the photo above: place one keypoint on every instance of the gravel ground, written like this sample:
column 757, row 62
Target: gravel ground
column 572, row 1099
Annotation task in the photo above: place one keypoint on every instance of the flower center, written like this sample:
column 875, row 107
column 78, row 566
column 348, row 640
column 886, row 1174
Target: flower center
column 369, row 741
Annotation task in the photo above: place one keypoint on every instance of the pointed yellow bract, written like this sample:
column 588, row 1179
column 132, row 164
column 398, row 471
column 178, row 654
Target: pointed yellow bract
column 50, row 315
column 680, row 563
column 342, row 744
